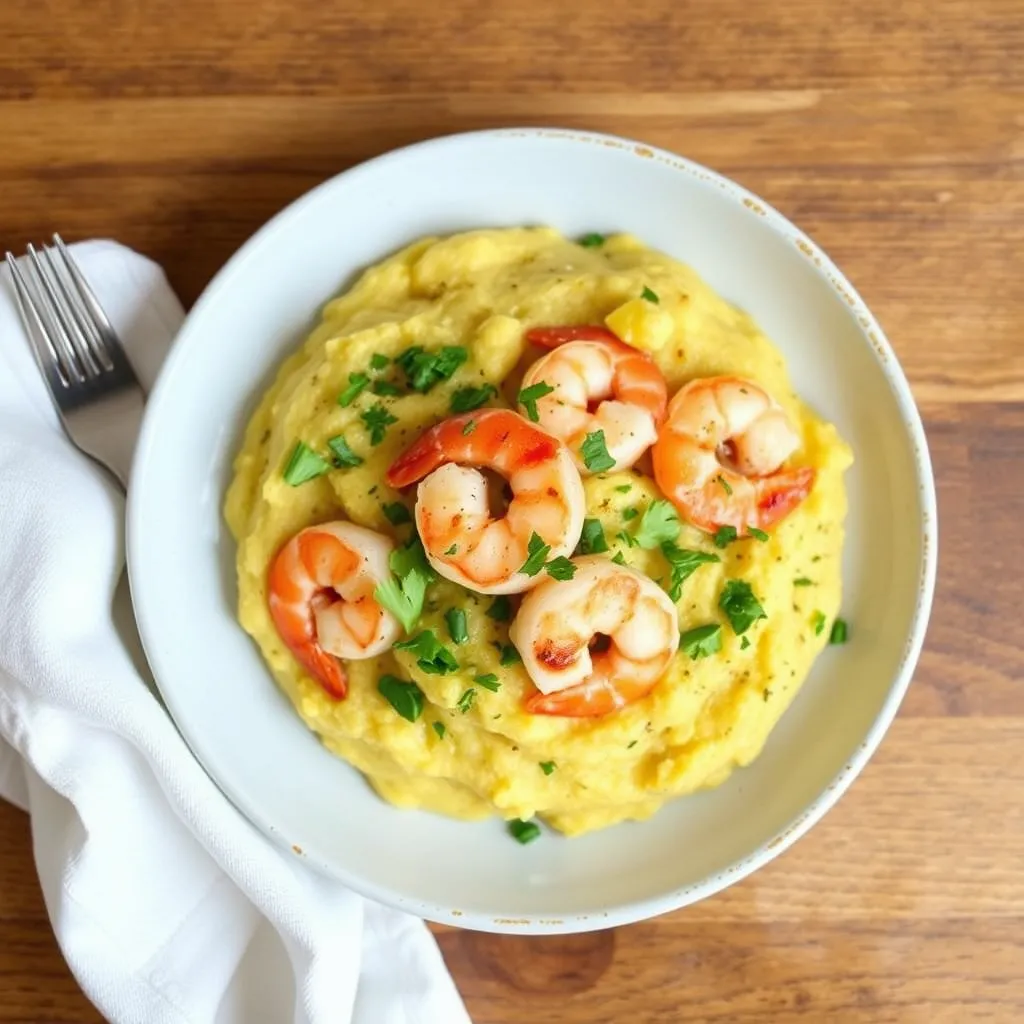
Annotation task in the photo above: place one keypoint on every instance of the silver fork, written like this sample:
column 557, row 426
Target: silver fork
column 97, row 395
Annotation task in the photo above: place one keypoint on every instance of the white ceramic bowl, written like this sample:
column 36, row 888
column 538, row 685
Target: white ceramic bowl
column 244, row 731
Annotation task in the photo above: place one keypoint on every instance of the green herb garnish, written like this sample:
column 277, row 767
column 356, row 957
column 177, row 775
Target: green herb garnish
column 759, row 534
column 725, row 484
column 431, row 655
column 378, row 361
column 343, row 455
column 405, row 698
column 403, row 594
column 560, row 569
column 724, row 536
column 838, row 634
column 683, row 562
column 627, row 538
column 547, row 767
column 468, row 399
column 469, row 428
column 385, row 388
column 649, row 295
column 595, row 453
column 592, row 240
column 501, row 609
column 425, row 369
column 439, row 729
column 509, row 656
column 396, row 513
column 536, row 552
column 818, row 622
column 356, row 384
column 618, row 558
column 304, row 464
column 659, row 525
column 629, row 514
column 702, row 641
column 465, row 702
column 528, row 398
column 377, row 420
column 624, row 488
column 740, row 606
column 488, row 682
column 744, row 643
column 455, row 620
column 453, row 550
column 523, row 831
column 592, row 541
column 803, row 581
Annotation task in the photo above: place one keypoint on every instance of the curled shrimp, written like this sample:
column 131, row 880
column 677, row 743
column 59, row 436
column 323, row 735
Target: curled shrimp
column 463, row 541
column 320, row 593
column 600, row 383
column 597, row 642
column 719, row 456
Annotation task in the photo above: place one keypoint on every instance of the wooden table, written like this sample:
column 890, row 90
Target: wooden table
column 894, row 134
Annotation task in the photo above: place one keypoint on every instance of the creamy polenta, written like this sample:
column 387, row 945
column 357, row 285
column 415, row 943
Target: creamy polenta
column 474, row 750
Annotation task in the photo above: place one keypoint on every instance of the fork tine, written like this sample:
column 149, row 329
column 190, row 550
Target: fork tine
column 109, row 347
column 88, row 332
column 49, row 278
column 57, row 356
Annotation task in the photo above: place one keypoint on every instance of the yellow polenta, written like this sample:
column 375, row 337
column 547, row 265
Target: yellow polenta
column 481, row 290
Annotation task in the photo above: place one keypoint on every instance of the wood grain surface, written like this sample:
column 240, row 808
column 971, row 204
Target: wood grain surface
column 894, row 134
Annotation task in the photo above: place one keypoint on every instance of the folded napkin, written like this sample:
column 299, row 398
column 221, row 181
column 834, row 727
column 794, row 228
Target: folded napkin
column 168, row 905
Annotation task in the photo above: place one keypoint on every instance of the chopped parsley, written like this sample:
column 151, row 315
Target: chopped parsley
column 377, row 420
column 618, row 558
column 595, row 453
column 385, row 388
column 403, row 594
column 536, row 553
column 431, row 655
column 468, row 399
column 405, row 698
column 424, row 369
column 469, row 428
column 724, row 536
column 740, row 605
column 649, row 295
column 744, row 643
column 501, row 609
column 396, row 513
column 488, row 682
column 702, row 641
column 560, row 568
column 439, row 729
column 624, row 488
column 509, row 656
column 343, row 455
column 465, row 702
column 630, row 514
column 528, row 398
column 818, row 622
column 304, row 464
column 838, row 634
column 592, row 240
column 356, row 385
column 627, row 538
column 455, row 620
column 592, row 540
column 683, row 562
column 378, row 361
column 547, row 767
column 725, row 484
column 523, row 832
column 659, row 525
column 803, row 581
column 453, row 550
column 759, row 534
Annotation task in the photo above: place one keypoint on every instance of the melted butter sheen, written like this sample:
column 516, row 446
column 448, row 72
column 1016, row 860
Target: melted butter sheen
column 480, row 290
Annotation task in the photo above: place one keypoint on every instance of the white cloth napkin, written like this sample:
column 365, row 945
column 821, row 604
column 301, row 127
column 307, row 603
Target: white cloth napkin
column 167, row 904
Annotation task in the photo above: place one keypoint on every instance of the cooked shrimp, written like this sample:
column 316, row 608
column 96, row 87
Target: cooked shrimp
column 320, row 592
column 600, row 383
column 719, row 456
column 464, row 542
column 597, row 642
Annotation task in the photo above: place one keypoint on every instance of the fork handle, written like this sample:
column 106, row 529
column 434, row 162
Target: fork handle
column 108, row 432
